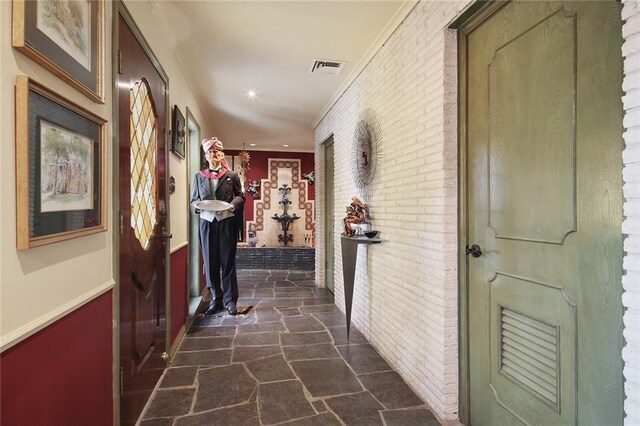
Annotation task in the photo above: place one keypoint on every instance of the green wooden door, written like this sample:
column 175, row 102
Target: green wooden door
column 329, row 214
column 544, row 193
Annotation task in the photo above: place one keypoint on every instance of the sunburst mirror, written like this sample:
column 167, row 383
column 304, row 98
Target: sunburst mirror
column 365, row 151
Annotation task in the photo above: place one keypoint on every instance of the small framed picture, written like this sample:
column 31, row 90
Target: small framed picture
column 178, row 132
column 66, row 37
column 60, row 167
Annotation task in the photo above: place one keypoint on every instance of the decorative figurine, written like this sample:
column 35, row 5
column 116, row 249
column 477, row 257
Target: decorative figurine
column 357, row 212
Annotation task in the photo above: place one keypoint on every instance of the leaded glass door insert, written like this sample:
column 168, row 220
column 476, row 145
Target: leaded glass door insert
column 143, row 163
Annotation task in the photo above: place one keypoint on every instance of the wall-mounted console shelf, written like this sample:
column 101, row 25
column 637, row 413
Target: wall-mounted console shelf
column 349, row 257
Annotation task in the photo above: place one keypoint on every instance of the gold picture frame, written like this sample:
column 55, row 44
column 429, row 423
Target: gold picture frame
column 66, row 37
column 60, row 167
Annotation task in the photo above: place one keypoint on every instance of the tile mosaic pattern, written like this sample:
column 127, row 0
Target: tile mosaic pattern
column 287, row 361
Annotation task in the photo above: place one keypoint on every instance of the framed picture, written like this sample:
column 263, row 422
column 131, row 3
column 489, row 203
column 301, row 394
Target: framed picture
column 60, row 167
column 178, row 132
column 66, row 37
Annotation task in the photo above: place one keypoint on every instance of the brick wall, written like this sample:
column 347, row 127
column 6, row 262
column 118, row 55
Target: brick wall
column 275, row 258
column 405, row 298
column 631, row 224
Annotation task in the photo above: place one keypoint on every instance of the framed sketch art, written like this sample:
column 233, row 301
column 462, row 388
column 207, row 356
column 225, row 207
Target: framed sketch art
column 66, row 37
column 60, row 170
column 178, row 133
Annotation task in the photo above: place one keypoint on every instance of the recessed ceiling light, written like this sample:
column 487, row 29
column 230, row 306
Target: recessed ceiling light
column 286, row 146
column 251, row 94
column 252, row 144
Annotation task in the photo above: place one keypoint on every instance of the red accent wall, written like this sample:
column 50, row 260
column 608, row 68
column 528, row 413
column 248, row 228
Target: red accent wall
column 259, row 164
column 179, row 302
column 62, row 375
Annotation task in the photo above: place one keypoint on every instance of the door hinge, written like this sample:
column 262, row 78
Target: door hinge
column 119, row 61
column 121, row 220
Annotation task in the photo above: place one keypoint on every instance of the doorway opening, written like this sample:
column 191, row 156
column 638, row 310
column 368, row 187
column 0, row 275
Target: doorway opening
column 329, row 214
column 195, row 161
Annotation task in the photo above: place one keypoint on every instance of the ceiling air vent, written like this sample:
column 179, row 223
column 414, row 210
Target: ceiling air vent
column 320, row 66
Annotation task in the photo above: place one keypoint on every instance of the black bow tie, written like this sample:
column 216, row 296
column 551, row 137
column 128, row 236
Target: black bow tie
column 216, row 170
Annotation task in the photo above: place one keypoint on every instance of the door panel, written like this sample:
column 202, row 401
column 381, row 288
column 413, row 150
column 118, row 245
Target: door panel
column 544, row 162
column 142, row 186
column 532, row 128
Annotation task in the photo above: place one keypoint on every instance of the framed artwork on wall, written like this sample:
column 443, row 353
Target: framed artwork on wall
column 66, row 37
column 178, row 132
column 60, row 167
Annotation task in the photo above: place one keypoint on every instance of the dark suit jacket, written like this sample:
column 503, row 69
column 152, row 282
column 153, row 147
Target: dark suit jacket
column 229, row 190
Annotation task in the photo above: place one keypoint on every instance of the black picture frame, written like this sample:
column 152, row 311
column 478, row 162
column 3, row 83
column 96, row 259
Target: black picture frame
column 178, row 132
column 60, row 167
column 77, row 60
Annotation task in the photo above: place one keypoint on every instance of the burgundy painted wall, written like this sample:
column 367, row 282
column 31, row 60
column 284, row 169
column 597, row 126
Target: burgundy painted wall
column 62, row 375
column 258, row 165
column 179, row 302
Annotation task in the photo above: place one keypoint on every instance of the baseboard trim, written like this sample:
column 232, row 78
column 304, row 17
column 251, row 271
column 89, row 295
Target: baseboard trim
column 179, row 339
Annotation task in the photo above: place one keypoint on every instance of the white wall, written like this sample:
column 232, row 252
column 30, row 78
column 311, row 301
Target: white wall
column 631, row 225
column 40, row 285
column 405, row 299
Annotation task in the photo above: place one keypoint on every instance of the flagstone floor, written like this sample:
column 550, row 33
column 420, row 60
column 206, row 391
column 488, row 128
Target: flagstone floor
column 287, row 361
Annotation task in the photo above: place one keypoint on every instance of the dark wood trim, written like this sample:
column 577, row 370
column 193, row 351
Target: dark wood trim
column 115, row 227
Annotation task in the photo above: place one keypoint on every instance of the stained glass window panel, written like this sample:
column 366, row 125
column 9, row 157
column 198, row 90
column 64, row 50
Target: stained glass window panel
column 143, row 164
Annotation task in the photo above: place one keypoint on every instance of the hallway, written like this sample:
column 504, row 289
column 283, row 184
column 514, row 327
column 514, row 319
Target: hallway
column 287, row 361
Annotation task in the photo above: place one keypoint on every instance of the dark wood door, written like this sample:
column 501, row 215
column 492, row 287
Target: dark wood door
column 544, row 156
column 142, row 209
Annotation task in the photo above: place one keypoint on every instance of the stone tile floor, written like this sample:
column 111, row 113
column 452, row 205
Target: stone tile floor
column 287, row 361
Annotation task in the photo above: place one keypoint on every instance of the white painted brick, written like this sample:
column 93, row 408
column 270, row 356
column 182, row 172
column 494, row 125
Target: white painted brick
column 411, row 86
column 632, row 98
column 631, row 26
column 630, row 9
column 631, row 63
column 631, row 44
column 632, row 118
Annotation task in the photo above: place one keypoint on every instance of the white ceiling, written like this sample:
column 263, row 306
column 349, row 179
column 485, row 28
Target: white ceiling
column 229, row 47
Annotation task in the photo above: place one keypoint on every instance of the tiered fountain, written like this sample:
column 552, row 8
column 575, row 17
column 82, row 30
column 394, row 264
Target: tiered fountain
column 285, row 219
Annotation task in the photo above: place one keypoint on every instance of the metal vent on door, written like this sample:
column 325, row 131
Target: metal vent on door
column 529, row 354
column 320, row 66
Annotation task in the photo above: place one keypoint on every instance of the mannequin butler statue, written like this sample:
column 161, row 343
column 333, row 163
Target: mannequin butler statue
column 218, row 230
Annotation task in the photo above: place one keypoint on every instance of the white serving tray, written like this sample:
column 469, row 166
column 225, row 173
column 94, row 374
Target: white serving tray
column 213, row 205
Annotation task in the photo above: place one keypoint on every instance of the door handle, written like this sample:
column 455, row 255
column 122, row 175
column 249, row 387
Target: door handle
column 474, row 250
column 164, row 235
